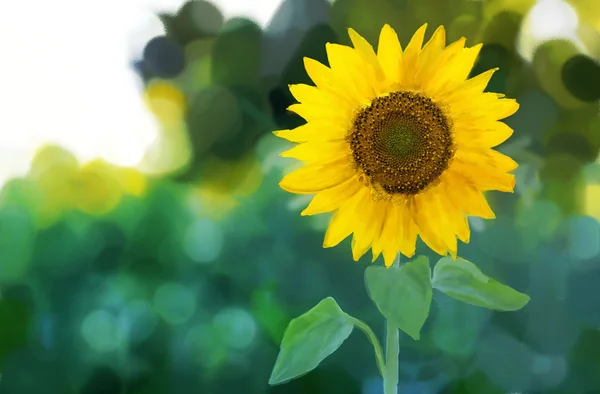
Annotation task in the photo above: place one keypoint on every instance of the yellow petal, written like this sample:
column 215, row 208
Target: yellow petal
column 312, row 95
column 372, row 218
column 485, row 106
column 365, row 50
column 426, row 232
column 329, row 200
column 319, row 73
column 360, row 239
column 481, row 136
column 407, row 234
column 505, row 107
column 312, row 112
column 318, row 151
column 352, row 72
column 456, row 218
column 486, row 159
column 389, row 54
column 388, row 231
column 315, row 130
column 485, row 169
column 326, row 80
column 410, row 57
column 470, row 87
column 455, row 70
column 343, row 222
column 433, row 222
column 314, row 177
column 307, row 94
column 464, row 65
column 431, row 51
column 399, row 233
column 434, row 81
column 466, row 196
column 485, row 178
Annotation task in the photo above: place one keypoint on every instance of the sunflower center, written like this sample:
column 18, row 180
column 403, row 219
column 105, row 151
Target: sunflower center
column 402, row 142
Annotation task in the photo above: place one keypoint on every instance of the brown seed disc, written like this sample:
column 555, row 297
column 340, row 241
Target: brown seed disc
column 402, row 142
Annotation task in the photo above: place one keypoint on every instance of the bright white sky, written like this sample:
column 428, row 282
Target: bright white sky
column 49, row 85
column 548, row 19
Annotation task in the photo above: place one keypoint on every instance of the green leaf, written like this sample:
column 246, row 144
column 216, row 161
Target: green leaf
column 309, row 339
column 464, row 281
column 402, row 293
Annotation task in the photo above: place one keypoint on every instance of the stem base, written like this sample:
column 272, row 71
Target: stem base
column 392, row 349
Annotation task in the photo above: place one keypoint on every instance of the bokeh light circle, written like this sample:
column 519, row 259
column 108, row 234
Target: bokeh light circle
column 238, row 326
column 175, row 303
column 100, row 330
column 203, row 241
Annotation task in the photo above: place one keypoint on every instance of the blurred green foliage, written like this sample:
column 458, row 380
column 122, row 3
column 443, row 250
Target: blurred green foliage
column 113, row 281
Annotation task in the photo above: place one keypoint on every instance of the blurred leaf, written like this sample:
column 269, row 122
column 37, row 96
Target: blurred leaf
column 16, row 320
column 465, row 25
column 51, row 158
column 503, row 29
column 26, row 194
column 17, row 235
column 581, row 76
column 163, row 57
column 97, row 190
column 214, row 114
column 477, row 382
column 493, row 55
column 507, row 362
column 548, row 62
column 237, row 53
column 402, row 293
column 309, row 339
column 457, row 343
column 255, row 121
column 368, row 16
column 313, row 46
column 462, row 280
column 537, row 221
column 269, row 312
column 194, row 20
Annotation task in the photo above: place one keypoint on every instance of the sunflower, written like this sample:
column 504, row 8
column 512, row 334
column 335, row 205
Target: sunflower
column 398, row 143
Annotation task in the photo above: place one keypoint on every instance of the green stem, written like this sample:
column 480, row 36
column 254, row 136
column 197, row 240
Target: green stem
column 373, row 339
column 392, row 349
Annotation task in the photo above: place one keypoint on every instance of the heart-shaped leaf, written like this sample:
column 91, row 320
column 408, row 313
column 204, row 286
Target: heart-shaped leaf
column 402, row 293
column 309, row 339
column 464, row 281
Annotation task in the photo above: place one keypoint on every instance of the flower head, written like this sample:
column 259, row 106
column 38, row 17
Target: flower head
column 398, row 143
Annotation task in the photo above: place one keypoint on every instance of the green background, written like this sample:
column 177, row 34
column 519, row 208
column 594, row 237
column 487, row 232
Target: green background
column 118, row 282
